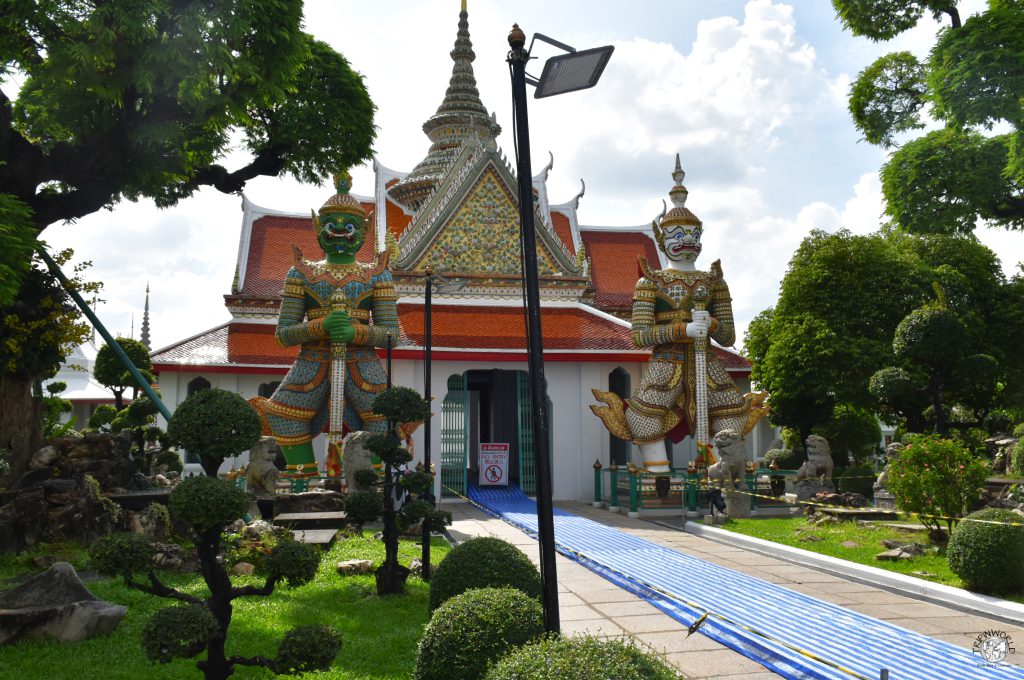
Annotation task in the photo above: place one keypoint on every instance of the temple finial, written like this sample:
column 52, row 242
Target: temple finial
column 144, row 337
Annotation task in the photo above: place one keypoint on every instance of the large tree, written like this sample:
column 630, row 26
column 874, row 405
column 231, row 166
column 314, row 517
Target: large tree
column 143, row 99
column 973, row 83
column 39, row 328
column 840, row 303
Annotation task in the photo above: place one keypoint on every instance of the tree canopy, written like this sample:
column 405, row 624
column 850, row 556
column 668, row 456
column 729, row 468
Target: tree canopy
column 840, row 304
column 144, row 99
column 973, row 83
column 112, row 374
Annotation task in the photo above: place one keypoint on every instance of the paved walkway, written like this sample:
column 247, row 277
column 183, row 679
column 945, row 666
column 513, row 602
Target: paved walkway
column 590, row 604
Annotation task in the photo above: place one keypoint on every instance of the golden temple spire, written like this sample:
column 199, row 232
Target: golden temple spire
column 460, row 116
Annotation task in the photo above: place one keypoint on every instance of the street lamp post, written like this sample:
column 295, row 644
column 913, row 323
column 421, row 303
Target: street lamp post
column 565, row 73
column 427, row 341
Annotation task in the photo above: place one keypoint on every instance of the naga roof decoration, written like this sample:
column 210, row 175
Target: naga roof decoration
column 460, row 116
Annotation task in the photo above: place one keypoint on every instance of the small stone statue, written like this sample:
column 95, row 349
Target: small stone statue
column 892, row 452
column 819, row 460
column 732, row 463
column 260, row 474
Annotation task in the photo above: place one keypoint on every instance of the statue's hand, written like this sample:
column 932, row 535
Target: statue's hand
column 698, row 327
column 339, row 327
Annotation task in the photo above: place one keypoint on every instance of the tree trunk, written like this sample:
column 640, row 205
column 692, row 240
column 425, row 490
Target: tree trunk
column 20, row 423
column 215, row 666
column 391, row 575
column 939, row 414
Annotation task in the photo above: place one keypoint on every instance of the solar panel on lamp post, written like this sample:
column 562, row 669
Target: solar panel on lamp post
column 561, row 74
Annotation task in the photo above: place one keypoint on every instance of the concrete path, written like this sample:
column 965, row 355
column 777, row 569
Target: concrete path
column 590, row 604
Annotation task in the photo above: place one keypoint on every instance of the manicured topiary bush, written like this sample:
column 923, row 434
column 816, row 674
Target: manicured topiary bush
column 474, row 629
column 786, row 459
column 206, row 505
column 554, row 658
column 214, row 424
column 307, row 648
column 181, row 631
column 362, row 507
column 483, row 562
column 989, row 557
column 858, row 479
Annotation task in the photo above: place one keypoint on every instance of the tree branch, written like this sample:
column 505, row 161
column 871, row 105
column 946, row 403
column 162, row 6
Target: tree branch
column 954, row 15
column 269, row 162
column 245, row 591
column 253, row 661
column 157, row 588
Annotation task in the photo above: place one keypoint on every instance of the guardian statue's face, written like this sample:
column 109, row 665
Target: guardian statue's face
column 682, row 242
column 341, row 233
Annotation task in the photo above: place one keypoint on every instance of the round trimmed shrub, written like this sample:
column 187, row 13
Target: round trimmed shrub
column 363, row 506
column 294, row 562
column 474, row 629
column 988, row 557
column 858, row 479
column 181, row 631
column 483, row 562
column 214, row 424
column 205, row 503
column 121, row 554
column 555, row 658
column 307, row 648
column 786, row 459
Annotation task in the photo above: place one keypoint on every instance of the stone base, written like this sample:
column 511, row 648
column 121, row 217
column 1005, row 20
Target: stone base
column 737, row 505
column 885, row 500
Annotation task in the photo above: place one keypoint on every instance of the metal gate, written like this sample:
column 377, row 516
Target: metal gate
column 527, row 469
column 454, row 438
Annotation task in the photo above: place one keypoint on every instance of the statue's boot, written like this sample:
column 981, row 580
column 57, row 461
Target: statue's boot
column 300, row 459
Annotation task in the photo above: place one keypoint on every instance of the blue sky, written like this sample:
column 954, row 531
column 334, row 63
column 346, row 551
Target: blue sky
column 752, row 94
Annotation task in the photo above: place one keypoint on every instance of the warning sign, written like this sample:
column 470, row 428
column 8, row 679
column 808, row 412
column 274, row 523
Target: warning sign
column 493, row 463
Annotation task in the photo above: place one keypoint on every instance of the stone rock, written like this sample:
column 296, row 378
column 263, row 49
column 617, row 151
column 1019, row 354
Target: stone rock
column 151, row 523
column 904, row 552
column 169, row 556
column 355, row 567
column 807, row 489
column 355, row 456
column 850, row 544
column 33, row 478
column 24, row 522
column 57, row 486
column 45, row 561
column 161, row 480
column 416, row 567
column 311, row 501
column 244, row 569
column 87, row 519
column 809, row 538
column 56, row 604
column 44, row 457
column 261, row 529
column 235, row 527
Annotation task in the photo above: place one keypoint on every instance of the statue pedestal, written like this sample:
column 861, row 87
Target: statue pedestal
column 885, row 500
column 737, row 505
column 806, row 489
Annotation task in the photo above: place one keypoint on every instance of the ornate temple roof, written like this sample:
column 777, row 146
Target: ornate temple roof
column 460, row 116
column 459, row 214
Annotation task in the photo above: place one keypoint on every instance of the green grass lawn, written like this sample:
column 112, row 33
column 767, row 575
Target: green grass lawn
column 379, row 635
column 789, row 530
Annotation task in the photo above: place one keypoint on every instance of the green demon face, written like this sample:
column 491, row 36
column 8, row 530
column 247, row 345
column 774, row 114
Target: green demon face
column 340, row 234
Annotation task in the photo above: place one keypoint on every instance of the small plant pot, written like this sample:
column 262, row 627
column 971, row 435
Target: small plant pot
column 662, row 486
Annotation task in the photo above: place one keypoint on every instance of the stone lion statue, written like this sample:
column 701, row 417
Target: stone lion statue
column 733, row 459
column 260, row 474
column 355, row 457
column 819, row 460
column 892, row 452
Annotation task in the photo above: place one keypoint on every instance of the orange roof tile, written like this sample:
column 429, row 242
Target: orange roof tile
column 398, row 220
column 463, row 327
column 613, row 260
column 484, row 327
column 270, row 252
column 560, row 221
